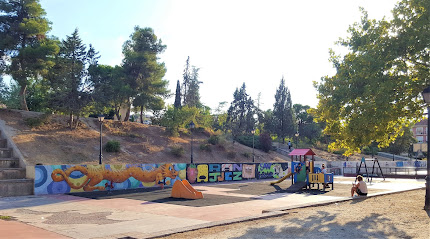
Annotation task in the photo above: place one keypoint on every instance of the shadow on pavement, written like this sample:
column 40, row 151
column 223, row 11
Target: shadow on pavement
column 325, row 225
column 157, row 195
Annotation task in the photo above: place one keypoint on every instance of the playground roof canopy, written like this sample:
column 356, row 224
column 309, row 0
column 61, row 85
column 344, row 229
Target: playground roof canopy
column 301, row 152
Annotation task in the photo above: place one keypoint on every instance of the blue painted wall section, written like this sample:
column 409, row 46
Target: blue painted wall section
column 54, row 179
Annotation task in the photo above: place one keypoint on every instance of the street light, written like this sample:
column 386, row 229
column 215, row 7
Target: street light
column 253, row 155
column 297, row 139
column 426, row 96
column 101, row 118
column 191, row 126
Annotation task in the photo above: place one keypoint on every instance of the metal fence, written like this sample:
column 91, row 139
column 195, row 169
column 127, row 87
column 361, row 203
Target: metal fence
column 389, row 171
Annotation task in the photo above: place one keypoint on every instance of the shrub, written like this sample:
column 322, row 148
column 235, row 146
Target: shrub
column 265, row 142
column 112, row 146
column 39, row 121
column 6, row 218
column 247, row 155
column 231, row 154
column 178, row 151
column 247, row 140
column 340, row 151
column 205, row 147
column 214, row 139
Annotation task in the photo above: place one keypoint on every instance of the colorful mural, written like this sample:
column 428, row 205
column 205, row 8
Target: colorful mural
column 219, row 172
column 54, row 179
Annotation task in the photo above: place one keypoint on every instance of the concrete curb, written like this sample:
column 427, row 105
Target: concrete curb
column 267, row 214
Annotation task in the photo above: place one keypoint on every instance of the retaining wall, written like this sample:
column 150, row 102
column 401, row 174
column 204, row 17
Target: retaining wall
column 56, row 179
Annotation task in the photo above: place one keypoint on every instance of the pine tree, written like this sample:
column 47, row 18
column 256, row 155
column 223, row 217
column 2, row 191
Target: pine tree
column 240, row 115
column 144, row 72
column 193, row 95
column 25, row 51
column 68, row 79
column 283, row 114
column 178, row 95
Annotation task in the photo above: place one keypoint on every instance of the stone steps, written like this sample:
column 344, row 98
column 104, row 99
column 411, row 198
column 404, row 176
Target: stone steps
column 9, row 163
column 12, row 177
column 12, row 173
column 5, row 153
column 3, row 143
column 16, row 187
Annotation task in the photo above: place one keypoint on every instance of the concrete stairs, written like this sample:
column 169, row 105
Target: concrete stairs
column 12, row 177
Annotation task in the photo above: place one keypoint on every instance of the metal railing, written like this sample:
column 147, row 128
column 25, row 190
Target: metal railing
column 389, row 171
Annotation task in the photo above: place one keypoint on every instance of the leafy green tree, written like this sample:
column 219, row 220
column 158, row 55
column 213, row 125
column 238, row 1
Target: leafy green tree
column 283, row 114
column 402, row 143
column 110, row 88
column 69, row 77
column 178, row 95
column 144, row 72
column 174, row 119
column 269, row 125
column 240, row 115
column 4, row 91
column 25, row 51
column 306, row 126
column 376, row 89
column 193, row 95
column 220, row 117
column 191, row 85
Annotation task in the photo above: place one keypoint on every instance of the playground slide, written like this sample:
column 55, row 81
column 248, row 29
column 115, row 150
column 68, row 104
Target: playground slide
column 183, row 189
column 282, row 179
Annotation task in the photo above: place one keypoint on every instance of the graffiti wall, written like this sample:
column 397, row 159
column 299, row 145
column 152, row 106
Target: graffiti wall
column 53, row 179
column 219, row 172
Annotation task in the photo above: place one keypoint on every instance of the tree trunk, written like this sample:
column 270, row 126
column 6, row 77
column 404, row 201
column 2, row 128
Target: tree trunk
column 77, row 121
column 71, row 120
column 127, row 115
column 117, row 108
column 141, row 114
column 22, row 93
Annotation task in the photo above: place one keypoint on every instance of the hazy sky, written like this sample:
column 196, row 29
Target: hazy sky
column 256, row 42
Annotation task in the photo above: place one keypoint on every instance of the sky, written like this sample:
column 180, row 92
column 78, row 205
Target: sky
column 232, row 42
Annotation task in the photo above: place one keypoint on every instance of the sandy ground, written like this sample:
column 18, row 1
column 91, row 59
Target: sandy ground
column 398, row 215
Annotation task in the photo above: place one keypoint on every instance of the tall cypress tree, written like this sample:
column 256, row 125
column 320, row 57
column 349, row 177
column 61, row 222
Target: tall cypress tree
column 186, row 80
column 178, row 95
column 283, row 114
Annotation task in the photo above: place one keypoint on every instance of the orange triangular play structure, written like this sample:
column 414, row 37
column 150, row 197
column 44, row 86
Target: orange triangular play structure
column 183, row 189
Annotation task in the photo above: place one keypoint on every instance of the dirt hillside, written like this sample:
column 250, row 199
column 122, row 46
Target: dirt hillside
column 54, row 143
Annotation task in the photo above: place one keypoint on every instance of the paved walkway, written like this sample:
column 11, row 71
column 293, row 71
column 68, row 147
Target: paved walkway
column 122, row 216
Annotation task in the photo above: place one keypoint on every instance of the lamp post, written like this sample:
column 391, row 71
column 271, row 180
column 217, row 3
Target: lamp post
column 297, row 139
column 426, row 96
column 191, row 126
column 253, row 155
column 101, row 118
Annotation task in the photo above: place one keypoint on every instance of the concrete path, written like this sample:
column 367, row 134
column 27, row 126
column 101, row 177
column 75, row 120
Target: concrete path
column 62, row 216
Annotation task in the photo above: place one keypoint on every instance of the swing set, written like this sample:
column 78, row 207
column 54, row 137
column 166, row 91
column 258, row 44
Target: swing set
column 375, row 161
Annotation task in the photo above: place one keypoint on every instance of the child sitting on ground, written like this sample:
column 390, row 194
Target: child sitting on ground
column 360, row 188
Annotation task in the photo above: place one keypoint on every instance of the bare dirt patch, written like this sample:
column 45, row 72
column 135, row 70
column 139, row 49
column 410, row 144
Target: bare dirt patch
column 54, row 143
column 398, row 215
